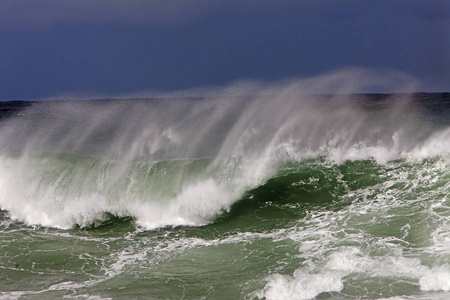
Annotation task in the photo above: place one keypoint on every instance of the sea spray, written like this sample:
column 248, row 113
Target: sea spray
column 84, row 160
column 80, row 160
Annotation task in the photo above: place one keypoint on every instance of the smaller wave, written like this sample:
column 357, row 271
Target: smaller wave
column 389, row 239
column 307, row 284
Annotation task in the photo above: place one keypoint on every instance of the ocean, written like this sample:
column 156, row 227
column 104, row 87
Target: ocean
column 241, row 197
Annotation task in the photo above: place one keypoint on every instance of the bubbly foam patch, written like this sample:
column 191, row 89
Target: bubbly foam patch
column 436, row 279
column 302, row 285
column 319, row 277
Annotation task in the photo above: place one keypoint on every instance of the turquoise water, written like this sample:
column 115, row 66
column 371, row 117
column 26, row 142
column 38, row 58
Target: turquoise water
column 305, row 200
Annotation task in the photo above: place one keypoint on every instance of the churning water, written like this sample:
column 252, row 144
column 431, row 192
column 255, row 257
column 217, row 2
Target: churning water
column 277, row 196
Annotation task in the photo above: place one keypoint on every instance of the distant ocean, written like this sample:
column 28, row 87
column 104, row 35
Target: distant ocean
column 283, row 197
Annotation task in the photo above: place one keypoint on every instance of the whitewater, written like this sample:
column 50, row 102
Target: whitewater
column 306, row 189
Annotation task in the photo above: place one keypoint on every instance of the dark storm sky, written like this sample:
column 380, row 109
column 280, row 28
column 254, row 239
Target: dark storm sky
column 110, row 47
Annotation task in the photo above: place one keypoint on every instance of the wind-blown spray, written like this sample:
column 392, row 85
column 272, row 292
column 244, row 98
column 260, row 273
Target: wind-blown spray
column 302, row 189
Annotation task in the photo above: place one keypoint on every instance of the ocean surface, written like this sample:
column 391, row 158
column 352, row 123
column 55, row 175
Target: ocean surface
column 268, row 197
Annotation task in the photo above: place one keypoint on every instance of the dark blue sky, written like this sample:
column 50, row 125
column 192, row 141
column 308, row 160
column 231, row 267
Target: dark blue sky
column 99, row 47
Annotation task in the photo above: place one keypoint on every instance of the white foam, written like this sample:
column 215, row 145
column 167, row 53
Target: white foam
column 301, row 286
column 316, row 277
column 197, row 204
column 436, row 279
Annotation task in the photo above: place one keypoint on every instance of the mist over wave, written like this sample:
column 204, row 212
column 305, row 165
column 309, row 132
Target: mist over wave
column 180, row 160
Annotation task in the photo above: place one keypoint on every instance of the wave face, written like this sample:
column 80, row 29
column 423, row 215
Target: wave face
column 185, row 161
column 278, row 195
